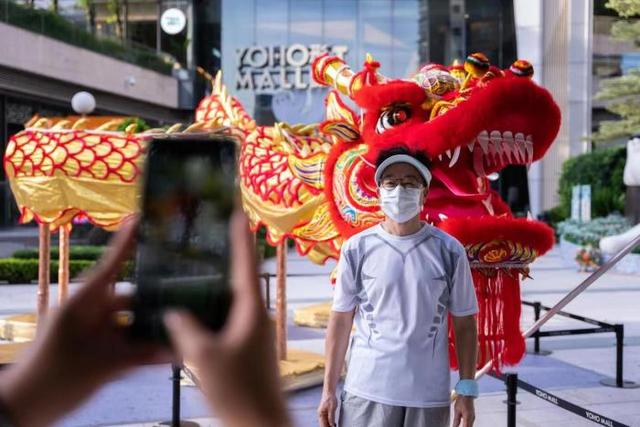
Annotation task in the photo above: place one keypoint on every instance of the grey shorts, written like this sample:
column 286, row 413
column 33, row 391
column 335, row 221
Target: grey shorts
column 358, row 412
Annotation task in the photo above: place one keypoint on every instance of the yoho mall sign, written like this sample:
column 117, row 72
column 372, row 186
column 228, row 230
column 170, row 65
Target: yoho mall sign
column 273, row 68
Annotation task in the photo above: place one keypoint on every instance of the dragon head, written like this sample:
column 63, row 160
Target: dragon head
column 469, row 119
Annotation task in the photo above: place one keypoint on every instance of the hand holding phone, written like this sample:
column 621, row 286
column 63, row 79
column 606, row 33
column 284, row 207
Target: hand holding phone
column 183, row 242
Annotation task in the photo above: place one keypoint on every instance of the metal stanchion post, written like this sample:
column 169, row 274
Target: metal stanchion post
column 537, row 309
column 619, row 381
column 175, row 409
column 267, row 277
column 536, row 336
column 511, row 381
column 176, row 376
column 619, row 355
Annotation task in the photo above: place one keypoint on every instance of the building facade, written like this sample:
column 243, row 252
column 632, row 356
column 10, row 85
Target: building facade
column 47, row 57
column 265, row 48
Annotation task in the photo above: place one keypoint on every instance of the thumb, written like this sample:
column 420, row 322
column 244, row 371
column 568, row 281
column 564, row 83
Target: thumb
column 188, row 336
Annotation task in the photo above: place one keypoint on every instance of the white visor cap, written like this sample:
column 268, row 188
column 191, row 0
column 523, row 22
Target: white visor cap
column 403, row 158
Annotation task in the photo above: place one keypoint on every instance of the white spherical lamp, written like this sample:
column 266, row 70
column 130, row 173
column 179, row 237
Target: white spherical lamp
column 83, row 103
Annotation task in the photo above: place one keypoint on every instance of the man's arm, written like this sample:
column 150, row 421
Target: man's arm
column 337, row 341
column 463, row 305
column 466, row 332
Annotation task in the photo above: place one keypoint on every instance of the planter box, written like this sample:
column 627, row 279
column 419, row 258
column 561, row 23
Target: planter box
column 568, row 253
column 630, row 264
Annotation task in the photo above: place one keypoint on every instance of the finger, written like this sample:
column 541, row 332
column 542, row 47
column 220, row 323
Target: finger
column 244, row 274
column 331, row 415
column 323, row 421
column 121, row 302
column 457, row 418
column 119, row 250
column 468, row 420
column 187, row 335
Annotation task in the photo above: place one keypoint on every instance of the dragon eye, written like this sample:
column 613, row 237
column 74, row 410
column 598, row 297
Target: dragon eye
column 394, row 116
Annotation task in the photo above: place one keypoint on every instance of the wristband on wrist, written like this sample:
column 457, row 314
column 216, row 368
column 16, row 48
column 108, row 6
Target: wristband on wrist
column 467, row 388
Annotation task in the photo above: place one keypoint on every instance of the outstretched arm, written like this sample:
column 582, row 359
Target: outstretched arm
column 466, row 333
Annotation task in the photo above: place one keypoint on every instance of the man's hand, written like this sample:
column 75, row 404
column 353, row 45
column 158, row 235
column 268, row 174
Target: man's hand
column 327, row 409
column 79, row 347
column 463, row 411
column 236, row 367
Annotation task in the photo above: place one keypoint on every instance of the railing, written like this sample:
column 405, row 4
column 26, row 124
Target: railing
column 52, row 25
column 512, row 382
column 601, row 327
column 511, row 379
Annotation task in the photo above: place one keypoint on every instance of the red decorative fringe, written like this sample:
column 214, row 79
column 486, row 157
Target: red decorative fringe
column 499, row 337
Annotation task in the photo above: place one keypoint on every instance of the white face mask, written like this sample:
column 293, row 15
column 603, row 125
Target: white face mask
column 400, row 204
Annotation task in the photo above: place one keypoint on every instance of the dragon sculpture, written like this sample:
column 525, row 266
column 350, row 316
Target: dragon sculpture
column 314, row 183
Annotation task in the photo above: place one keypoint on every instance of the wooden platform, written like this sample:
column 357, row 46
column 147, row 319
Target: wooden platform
column 314, row 316
column 301, row 370
column 9, row 352
column 18, row 328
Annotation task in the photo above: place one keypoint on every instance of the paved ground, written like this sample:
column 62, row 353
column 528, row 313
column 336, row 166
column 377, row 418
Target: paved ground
column 572, row 371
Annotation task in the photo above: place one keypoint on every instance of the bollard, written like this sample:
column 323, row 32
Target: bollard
column 175, row 409
column 619, row 355
column 619, row 381
column 267, row 277
column 511, row 381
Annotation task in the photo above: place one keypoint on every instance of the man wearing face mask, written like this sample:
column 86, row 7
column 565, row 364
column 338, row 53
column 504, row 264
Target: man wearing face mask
column 398, row 281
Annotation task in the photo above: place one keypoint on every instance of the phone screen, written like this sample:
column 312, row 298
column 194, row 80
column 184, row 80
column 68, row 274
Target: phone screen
column 183, row 244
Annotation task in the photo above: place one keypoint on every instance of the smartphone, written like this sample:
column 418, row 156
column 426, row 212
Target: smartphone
column 188, row 195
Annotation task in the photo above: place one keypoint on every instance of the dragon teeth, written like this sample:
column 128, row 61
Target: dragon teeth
column 496, row 144
column 478, row 162
column 456, row 155
column 529, row 147
column 519, row 144
column 508, row 145
column 483, row 140
column 471, row 145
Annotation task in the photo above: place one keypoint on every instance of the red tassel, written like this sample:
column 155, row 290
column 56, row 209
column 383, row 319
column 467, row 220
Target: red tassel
column 499, row 337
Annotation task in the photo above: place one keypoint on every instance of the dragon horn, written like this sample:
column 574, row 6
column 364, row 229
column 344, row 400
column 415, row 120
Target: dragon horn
column 208, row 77
column 333, row 71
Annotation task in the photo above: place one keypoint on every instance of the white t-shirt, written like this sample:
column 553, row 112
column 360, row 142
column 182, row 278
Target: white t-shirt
column 403, row 288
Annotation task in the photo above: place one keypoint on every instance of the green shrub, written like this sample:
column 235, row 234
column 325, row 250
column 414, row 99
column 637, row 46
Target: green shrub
column 602, row 169
column 55, row 26
column 88, row 253
column 16, row 270
column 552, row 217
column 141, row 124
column 590, row 233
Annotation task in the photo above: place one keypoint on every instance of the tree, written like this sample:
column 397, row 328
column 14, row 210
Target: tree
column 623, row 91
column 90, row 8
column 119, row 10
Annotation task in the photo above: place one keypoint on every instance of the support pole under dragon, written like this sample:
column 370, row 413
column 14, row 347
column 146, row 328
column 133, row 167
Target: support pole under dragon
column 44, row 260
column 281, row 300
column 63, row 264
